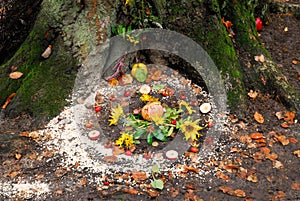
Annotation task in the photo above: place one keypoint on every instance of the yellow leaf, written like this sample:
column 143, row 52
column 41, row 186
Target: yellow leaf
column 115, row 115
column 147, row 98
column 259, row 118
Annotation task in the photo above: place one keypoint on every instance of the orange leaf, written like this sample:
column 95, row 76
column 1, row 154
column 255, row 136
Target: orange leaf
column 227, row 23
column 297, row 153
column 8, row 100
column 113, row 82
column 227, row 190
column 279, row 115
column 139, row 176
column 259, row 118
column 256, row 136
column 130, row 191
column 240, row 193
column 295, row 186
column 283, row 140
column 293, row 140
column 284, row 125
column 15, row 75
column 289, row 117
column 252, row 178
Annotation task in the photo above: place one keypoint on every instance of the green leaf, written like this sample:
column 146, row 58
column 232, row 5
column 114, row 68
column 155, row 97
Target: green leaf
column 141, row 74
column 170, row 131
column 138, row 133
column 158, row 87
column 149, row 138
column 155, row 168
column 157, row 183
column 159, row 135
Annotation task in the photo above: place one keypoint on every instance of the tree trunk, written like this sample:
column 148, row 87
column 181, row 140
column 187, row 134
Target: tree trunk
column 75, row 28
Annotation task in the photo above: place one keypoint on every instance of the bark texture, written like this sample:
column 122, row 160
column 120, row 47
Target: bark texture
column 75, row 28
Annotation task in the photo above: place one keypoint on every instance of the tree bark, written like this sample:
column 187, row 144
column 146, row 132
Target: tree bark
column 75, row 28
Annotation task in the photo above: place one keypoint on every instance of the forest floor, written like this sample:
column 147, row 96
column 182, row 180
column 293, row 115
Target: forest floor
column 253, row 161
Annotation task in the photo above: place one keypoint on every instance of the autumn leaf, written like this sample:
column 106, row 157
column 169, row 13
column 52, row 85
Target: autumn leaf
column 279, row 115
column 259, row 117
column 295, row 186
column 240, row 193
column 297, row 153
column 283, row 140
column 289, row 117
column 15, row 75
column 252, row 94
column 227, row 190
column 111, row 159
column 253, row 178
column 113, row 82
column 8, row 100
column 115, row 114
column 284, row 125
column 139, row 176
column 256, row 136
column 18, row 156
column 130, row 191
column 260, row 58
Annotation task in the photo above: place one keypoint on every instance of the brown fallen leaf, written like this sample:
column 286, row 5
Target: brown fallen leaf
column 8, row 100
column 139, row 176
column 192, row 169
column 110, row 159
column 295, row 186
column 130, row 191
column 174, row 192
column 279, row 115
column 252, row 94
column 289, row 117
column 83, row 182
column 18, row 156
column 15, row 75
column 117, row 150
column 60, row 172
column 283, row 140
column 253, row 178
column 297, row 153
column 272, row 156
column 152, row 192
column 295, row 62
column 259, row 117
column 113, row 82
column 222, row 176
column 277, row 164
column 240, row 193
column 284, row 125
column 226, row 190
column 256, row 136
column 293, row 140
column 260, row 58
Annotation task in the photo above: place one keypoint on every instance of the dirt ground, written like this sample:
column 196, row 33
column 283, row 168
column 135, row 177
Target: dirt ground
column 255, row 161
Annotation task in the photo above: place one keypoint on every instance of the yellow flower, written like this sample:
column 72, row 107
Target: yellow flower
column 187, row 106
column 190, row 129
column 126, row 139
column 146, row 97
column 127, row 2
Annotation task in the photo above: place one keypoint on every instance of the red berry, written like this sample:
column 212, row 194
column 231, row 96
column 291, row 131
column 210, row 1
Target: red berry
column 259, row 24
column 194, row 149
column 128, row 153
column 106, row 183
column 147, row 156
column 173, row 122
column 209, row 124
column 98, row 108
column 182, row 97
column 127, row 93
column 88, row 124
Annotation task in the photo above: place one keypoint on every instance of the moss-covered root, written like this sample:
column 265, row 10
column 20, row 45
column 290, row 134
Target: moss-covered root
column 262, row 76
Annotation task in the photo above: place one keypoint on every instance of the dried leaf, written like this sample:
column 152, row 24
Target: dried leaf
column 295, row 186
column 83, row 182
column 283, row 140
column 110, row 159
column 252, row 94
column 284, row 125
column 130, row 191
column 117, row 150
column 240, row 193
column 139, row 176
column 192, row 169
column 279, row 115
column 227, row 190
column 8, row 100
column 253, row 178
column 18, row 156
column 113, row 82
column 295, row 62
column 260, row 58
column 289, row 117
column 125, row 79
column 174, row 192
column 293, row 140
column 277, row 164
column 256, row 136
column 152, row 192
column 222, row 176
column 259, row 118
column 15, row 75
column 272, row 156
column 297, row 153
